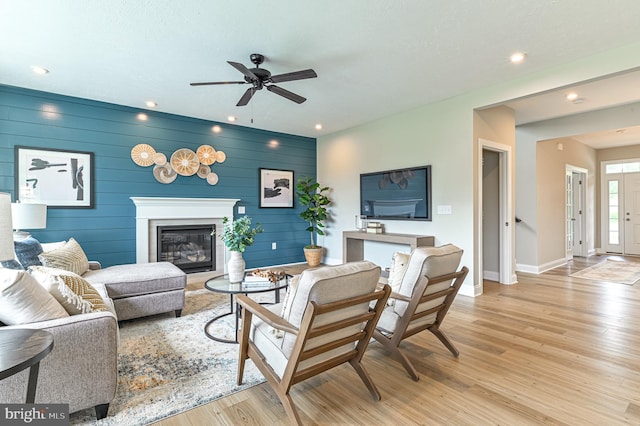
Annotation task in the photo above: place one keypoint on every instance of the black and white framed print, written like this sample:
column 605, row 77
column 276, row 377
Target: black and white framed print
column 55, row 177
column 276, row 188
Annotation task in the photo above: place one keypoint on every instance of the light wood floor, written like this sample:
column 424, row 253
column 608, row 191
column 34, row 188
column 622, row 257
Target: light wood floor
column 549, row 350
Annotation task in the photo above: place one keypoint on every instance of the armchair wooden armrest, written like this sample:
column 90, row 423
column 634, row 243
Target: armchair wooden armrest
column 398, row 296
column 265, row 315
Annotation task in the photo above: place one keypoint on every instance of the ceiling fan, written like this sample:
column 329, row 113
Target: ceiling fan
column 260, row 77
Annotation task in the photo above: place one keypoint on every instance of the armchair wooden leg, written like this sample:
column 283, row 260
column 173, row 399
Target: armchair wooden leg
column 396, row 354
column 243, row 341
column 290, row 409
column 445, row 340
column 366, row 379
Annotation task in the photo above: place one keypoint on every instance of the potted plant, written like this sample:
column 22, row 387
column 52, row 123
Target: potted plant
column 312, row 196
column 237, row 236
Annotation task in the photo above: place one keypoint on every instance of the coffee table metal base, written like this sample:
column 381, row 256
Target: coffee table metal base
column 214, row 319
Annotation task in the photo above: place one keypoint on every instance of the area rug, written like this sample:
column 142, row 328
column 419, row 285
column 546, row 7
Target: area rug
column 612, row 271
column 167, row 365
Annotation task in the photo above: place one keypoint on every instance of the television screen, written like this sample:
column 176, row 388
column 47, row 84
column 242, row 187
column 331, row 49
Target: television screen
column 397, row 194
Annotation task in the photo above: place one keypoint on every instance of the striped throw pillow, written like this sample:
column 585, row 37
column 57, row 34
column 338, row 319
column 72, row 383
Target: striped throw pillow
column 72, row 291
column 69, row 257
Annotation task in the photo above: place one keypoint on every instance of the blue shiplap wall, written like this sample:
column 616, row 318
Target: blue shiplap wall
column 107, row 232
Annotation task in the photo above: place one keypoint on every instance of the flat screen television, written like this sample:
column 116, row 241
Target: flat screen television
column 396, row 194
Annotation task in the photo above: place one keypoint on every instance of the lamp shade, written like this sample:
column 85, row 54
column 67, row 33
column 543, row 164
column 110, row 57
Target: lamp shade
column 6, row 234
column 29, row 216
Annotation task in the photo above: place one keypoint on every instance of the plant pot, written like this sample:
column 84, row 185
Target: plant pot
column 313, row 256
column 235, row 267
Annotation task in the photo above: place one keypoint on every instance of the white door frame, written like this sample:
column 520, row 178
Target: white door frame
column 507, row 229
column 581, row 223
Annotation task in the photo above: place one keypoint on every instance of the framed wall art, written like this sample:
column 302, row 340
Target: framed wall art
column 276, row 188
column 55, row 177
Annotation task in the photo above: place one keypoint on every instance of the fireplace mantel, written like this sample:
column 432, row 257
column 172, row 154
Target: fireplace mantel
column 149, row 209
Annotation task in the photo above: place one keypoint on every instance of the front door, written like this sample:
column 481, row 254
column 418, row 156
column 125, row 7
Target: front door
column 632, row 213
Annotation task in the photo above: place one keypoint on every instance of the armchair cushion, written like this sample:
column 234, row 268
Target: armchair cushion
column 23, row 300
column 70, row 257
column 72, row 291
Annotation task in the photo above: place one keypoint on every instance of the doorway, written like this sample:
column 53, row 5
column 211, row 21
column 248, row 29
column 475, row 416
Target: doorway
column 576, row 218
column 496, row 240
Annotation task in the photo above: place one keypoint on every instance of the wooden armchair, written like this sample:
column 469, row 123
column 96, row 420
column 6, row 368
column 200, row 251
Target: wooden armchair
column 325, row 320
column 421, row 302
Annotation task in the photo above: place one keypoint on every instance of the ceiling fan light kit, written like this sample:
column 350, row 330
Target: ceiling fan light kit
column 259, row 78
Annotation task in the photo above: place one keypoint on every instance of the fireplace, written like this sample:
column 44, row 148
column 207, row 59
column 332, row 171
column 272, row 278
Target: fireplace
column 191, row 248
column 154, row 212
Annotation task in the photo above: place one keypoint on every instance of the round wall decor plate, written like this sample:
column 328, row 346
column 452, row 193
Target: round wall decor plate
column 185, row 162
column 203, row 171
column 164, row 174
column 220, row 156
column 142, row 154
column 212, row 178
column 206, row 154
column 160, row 159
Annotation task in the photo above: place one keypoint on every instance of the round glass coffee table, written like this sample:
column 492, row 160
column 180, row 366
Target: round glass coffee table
column 221, row 284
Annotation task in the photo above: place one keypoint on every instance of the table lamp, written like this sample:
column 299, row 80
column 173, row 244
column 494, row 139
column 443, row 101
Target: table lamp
column 28, row 216
column 6, row 235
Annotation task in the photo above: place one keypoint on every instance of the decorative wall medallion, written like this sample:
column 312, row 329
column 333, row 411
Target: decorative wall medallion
column 185, row 162
column 220, row 156
column 164, row 174
column 212, row 178
column 203, row 171
column 206, row 154
column 142, row 154
column 160, row 159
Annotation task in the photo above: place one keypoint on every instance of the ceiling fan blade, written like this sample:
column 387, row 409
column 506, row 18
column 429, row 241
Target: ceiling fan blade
column 248, row 94
column 244, row 70
column 286, row 94
column 217, row 82
column 296, row 75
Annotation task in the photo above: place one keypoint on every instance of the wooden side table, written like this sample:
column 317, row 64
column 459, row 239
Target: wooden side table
column 24, row 348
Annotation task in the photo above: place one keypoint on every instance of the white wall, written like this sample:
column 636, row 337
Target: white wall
column 440, row 134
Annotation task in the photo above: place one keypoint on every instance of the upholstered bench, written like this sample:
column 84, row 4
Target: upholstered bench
column 142, row 289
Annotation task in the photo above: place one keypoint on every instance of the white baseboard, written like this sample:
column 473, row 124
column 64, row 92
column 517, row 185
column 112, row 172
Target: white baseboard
column 491, row 275
column 538, row 269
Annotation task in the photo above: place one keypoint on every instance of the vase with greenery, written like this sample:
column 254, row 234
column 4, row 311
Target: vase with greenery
column 313, row 197
column 237, row 236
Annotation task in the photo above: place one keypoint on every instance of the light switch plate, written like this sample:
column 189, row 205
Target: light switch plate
column 240, row 209
column 444, row 209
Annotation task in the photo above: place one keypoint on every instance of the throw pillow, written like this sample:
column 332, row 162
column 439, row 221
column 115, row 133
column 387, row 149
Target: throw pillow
column 399, row 264
column 72, row 291
column 23, row 300
column 286, row 303
column 27, row 251
column 11, row 264
column 70, row 257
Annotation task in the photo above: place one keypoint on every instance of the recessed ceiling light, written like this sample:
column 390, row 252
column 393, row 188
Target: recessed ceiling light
column 231, row 118
column 142, row 116
column 577, row 101
column 151, row 104
column 517, row 57
column 216, row 129
column 318, row 126
column 40, row 70
column 572, row 96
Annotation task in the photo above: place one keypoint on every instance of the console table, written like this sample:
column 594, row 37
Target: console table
column 353, row 242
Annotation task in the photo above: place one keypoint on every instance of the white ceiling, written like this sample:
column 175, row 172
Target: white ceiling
column 373, row 58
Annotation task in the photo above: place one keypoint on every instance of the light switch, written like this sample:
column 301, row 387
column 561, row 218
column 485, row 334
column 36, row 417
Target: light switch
column 240, row 209
column 444, row 209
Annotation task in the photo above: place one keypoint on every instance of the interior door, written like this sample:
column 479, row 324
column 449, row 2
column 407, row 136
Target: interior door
column 579, row 237
column 632, row 213
column 569, row 215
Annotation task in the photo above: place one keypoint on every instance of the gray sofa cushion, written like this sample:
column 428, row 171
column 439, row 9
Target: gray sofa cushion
column 138, row 279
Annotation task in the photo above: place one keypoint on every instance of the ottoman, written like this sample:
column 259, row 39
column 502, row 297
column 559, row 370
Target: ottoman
column 142, row 289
